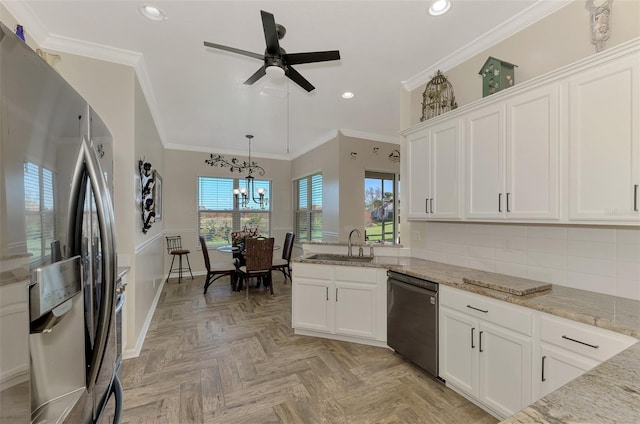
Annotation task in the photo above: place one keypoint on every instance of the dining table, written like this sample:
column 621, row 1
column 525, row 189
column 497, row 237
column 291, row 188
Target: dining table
column 238, row 255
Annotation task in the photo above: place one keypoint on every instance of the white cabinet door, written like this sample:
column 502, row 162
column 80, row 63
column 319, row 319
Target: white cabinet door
column 604, row 142
column 505, row 369
column 532, row 183
column 558, row 367
column 458, row 346
column 312, row 309
column 418, row 169
column 485, row 162
column 355, row 309
column 444, row 167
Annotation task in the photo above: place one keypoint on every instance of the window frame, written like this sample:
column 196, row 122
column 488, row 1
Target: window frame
column 395, row 181
column 237, row 213
column 308, row 213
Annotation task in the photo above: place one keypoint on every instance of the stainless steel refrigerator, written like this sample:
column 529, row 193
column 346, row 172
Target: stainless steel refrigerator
column 58, row 351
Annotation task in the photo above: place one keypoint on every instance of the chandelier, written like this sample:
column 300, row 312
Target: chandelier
column 241, row 195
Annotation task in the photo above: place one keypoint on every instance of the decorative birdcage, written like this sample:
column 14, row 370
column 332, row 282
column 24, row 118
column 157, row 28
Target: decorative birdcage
column 438, row 97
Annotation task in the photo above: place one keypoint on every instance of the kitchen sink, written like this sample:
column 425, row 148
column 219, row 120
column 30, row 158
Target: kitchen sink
column 340, row 258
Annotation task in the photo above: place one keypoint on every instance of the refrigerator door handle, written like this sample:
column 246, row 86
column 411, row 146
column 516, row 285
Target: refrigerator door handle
column 88, row 165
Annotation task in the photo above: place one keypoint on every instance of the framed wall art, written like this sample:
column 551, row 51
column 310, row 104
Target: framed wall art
column 157, row 194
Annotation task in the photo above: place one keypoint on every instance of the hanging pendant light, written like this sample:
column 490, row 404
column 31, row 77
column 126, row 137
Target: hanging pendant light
column 244, row 194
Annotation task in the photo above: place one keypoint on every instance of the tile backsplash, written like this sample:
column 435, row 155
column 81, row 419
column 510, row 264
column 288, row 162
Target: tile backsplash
column 600, row 259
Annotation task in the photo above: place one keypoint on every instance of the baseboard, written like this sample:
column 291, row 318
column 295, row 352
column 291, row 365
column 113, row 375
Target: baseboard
column 474, row 401
column 135, row 352
column 369, row 342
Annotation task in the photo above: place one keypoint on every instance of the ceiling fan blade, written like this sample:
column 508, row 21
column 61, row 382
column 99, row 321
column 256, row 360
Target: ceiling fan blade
column 298, row 58
column 256, row 76
column 270, row 32
column 234, row 50
column 298, row 79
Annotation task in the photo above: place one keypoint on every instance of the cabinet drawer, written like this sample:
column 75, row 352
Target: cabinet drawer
column 586, row 340
column 506, row 315
column 318, row 272
column 360, row 274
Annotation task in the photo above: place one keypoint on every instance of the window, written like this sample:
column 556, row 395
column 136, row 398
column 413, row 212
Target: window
column 219, row 215
column 39, row 211
column 308, row 208
column 381, row 209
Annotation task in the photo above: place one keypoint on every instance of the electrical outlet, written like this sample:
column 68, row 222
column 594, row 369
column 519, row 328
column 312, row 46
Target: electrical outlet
column 415, row 235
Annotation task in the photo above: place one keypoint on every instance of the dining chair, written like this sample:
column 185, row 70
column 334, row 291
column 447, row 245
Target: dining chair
column 258, row 258
column 284, row 264
column 217, row 270
column 174, row 247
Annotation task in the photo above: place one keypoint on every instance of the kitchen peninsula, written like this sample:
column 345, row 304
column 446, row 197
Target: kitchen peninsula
column 610, row 392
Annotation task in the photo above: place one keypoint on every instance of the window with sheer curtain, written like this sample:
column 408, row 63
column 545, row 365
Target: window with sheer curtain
column 39, row 209
column 219, row 215
column 308, row 208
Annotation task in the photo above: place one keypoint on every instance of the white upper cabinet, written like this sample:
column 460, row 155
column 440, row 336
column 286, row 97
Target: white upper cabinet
column 604, row 142
column 512, row 158
column 417, row 168
column 532, row 172
column 485, row 162
column 445, row 169
column 434, row 171
column 561, row 148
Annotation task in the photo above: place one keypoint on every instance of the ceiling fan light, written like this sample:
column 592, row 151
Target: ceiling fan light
column 439, row 7
column 153, row 13
column 274, row 72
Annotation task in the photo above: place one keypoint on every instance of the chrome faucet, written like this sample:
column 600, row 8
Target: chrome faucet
column 350, row 253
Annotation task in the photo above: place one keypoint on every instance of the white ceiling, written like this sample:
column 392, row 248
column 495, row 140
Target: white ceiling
column 196, row 94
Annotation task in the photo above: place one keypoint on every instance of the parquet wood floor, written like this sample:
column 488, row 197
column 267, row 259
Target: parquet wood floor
column 219, row 358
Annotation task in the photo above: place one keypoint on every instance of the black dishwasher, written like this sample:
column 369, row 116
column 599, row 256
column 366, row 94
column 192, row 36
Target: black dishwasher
column 412, row 320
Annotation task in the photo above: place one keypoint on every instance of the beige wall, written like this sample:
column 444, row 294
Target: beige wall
column 555, row 41
column 351, row 171
column 343, row 179
column 182, row 169
column 323, row 159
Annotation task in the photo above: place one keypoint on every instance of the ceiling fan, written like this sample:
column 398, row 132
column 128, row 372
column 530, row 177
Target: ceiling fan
column 276, row 60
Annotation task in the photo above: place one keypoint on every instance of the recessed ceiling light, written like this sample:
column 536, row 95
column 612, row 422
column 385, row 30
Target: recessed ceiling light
column 347, row 95
column 153, row 13
column 439, row 7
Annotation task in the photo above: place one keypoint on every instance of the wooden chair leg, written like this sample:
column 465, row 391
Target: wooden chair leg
column 207, row 281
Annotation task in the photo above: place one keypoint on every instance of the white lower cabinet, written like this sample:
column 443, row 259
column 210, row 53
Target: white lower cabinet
column 568, row 349
column 505, row 369
column 558, row 367
column 504, row 357
column 341, row 302
column 489, row 363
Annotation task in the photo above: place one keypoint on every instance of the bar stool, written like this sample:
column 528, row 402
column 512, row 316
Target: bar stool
column 174, row 247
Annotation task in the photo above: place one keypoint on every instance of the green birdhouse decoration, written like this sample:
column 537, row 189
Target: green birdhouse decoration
column 496, row 75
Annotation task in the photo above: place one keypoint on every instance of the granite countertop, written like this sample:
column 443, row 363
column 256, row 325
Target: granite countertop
column 609, row 393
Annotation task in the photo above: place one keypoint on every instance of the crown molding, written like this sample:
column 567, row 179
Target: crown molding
column 328, row 136
column 216, row 150
column 527, row 17
column 370, row 136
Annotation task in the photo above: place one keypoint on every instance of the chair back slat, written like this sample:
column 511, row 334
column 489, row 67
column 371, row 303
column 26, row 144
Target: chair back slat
column 259, row 254
column 288, row 246
column 174, row 243
column 205, row 254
